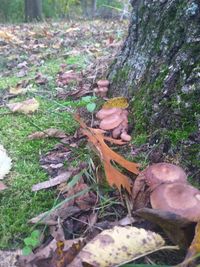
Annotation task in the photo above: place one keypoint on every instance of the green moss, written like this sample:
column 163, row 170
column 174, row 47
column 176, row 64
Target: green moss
column 140, row 139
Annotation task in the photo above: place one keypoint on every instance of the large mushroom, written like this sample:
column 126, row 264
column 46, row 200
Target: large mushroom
column 179, row 198
column 151, row 178
column 160, row 173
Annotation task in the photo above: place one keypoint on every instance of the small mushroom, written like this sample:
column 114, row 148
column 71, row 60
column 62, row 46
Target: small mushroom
column 103, row 113
column 103, row 83
column 110, row 122
column 164, row 173
column 125, row 137
column 103, row 91
column 179, row 198
column 117, row 131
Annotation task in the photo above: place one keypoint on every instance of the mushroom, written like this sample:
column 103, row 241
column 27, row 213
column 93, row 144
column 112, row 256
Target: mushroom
column 125, row 137
column 103, row 113
column 103, row 91
column 179, row 198
column 117, row 131
column 115, row 119
column 164, row 173
column 103, row 83
column 111, row 122
column 102, row 88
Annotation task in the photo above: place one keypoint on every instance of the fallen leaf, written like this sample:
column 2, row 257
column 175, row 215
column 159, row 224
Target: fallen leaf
column 26, row 107
column 63, row 177
column 117, row 246
column 5, row 163
column 48, row 133
column 17, row 90
column 47, row 254
column 51, row 217
column 107, row 155
column 116, row 102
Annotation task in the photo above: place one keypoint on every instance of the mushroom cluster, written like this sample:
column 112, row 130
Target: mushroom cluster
column 102, row 88
column 170, row 191
column 116, row 120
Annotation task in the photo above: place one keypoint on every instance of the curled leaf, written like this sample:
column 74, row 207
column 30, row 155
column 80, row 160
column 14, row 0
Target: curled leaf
column 47, row 133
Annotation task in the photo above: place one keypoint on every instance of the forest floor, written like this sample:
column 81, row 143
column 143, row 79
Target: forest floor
column 32, row 56
column 56, row 65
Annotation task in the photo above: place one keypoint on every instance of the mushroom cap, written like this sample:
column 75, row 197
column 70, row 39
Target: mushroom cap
column 103, row 113
column 125, row 137
column 179, row 198
column 164, row 173
column 103, row 83
column 111, row 122
column 103, row 89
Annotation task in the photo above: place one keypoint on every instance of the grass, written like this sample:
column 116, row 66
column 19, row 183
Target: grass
column 18, row 203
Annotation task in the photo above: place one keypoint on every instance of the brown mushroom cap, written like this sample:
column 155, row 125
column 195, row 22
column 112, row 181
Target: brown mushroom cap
column 111, row 122
column 179, row 198
column 103, row 113
column 103, row 83
column 164, row 173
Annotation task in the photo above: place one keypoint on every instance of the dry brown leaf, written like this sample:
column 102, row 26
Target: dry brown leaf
column 48, row 133
column 117, row 246
column 26, row 107
column 63, row 177
column 114, row 177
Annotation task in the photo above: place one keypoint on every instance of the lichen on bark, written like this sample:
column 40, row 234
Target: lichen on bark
column 158, row 68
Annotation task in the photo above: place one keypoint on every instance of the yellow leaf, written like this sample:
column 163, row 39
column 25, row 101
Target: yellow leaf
column 26, row 107
column 117, row 102
column 16, row 90
column 117, row 246
column 6, row 36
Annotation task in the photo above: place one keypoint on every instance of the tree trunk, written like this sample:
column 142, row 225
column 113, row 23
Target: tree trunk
column 158, row 68
column 33, row 10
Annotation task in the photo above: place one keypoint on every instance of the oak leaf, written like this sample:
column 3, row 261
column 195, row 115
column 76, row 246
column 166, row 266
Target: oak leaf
column 107, row 155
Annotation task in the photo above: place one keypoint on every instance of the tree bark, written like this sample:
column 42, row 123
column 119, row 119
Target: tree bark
column 158, row 69
column 33, row 10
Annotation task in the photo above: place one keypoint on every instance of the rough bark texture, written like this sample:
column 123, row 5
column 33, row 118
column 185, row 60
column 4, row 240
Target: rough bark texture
column 33, row 10
column 159, row 69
